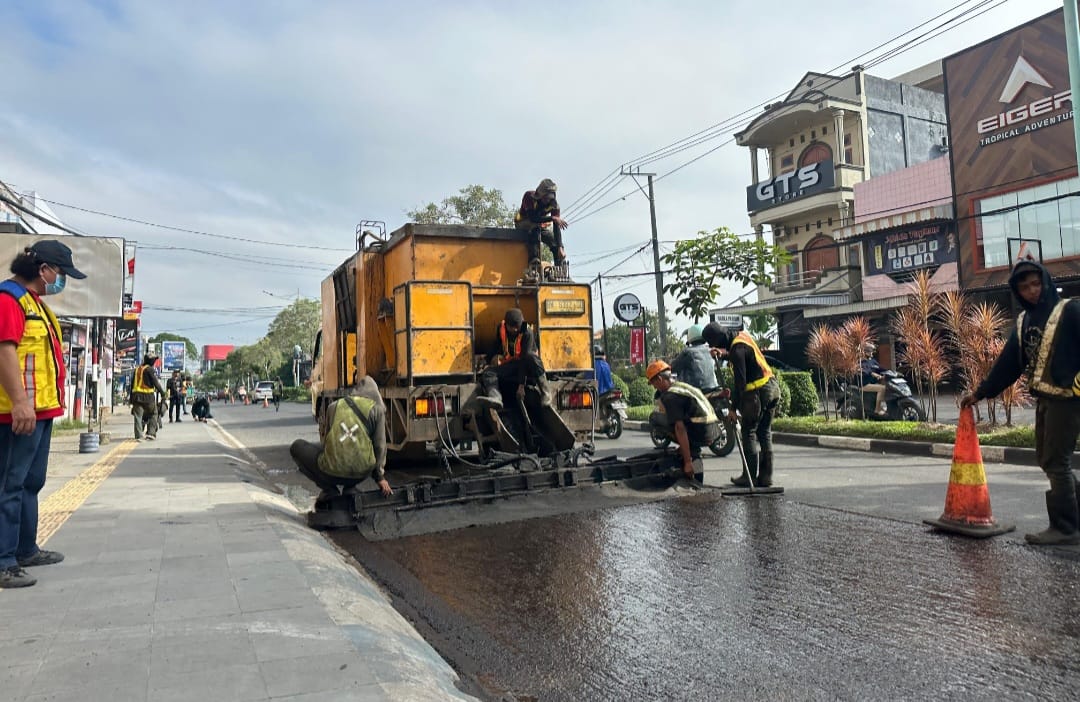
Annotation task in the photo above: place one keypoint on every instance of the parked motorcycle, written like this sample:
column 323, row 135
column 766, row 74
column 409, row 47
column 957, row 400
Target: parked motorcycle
column 610, row 413
column 725, row 442
column 900, row 405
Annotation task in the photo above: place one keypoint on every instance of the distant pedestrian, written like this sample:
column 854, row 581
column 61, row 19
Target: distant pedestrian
column 277, row 393
column 175, row 388
column 147, row 396
column 32, row 375
column 1044, row 347
column 200, row 408
column 187, row 393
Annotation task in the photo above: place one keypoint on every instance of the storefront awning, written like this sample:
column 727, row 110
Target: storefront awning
column 924, row 214
column 885, row 303
column 789, row 303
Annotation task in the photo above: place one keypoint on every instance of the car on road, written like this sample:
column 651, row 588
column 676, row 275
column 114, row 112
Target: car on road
column 264, row 390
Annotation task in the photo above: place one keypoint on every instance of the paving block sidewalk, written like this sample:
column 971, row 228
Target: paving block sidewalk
column 187, row 579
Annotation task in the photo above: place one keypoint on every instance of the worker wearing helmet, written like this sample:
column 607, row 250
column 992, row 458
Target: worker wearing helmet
column 538, row 207
column 694, row 364
column 686, row 413
column 756, row 393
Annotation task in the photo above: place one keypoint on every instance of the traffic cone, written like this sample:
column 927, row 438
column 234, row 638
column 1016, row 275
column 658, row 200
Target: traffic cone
column 266, row 403
column 967, row 501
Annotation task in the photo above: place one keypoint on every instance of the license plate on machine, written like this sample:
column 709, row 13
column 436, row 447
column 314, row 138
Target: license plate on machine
column 568, row 307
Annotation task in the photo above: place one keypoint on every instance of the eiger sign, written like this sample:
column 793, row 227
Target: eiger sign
column 808, row 180
column 627, row 307
column 1044, row 112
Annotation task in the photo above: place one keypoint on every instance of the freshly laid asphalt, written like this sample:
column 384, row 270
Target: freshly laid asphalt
column 187, row 577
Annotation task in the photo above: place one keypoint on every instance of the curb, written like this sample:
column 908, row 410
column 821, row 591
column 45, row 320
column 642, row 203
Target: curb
column 990, row 454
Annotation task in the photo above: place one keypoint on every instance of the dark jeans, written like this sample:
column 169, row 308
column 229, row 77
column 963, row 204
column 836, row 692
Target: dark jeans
column 306, row 456
column 757, row 410
column 23, row 462
column 552, row 238
column 175, row 403
column 1057, row 424
column 507, row 375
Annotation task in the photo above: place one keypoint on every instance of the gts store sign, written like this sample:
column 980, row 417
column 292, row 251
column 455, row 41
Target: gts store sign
column 808, row 180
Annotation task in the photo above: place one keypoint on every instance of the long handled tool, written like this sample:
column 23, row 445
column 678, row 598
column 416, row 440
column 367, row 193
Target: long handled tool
column 742, row 455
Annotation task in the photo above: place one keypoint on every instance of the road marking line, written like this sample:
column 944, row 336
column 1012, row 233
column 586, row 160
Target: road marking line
column 59, row 506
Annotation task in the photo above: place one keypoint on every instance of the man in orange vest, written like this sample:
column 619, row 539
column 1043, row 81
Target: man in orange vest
column 513, row 359
column 756, row 394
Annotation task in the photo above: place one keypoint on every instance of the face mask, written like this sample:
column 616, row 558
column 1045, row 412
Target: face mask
column 57, row 286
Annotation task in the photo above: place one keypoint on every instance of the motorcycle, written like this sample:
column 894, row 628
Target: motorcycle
column 611, row 413
column 853, row 402
column 725, row 441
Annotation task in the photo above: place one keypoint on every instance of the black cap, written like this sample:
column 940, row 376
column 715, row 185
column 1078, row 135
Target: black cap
column 514, row 317
column 56, row 254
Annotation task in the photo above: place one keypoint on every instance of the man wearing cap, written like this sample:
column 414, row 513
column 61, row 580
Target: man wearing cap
column 538, row 207
column 513, row 359
column 755, row 392
column 146, row 393
column 1045, row 348
column 32, row 376
column 686, row 414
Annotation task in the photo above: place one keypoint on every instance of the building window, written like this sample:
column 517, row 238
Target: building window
column 787, row 161
column 813, row 134
column 802, row 138
column 847, row 139
column 791, row 142
column 824, row 131
column 815, row 153
column 1056, row 224
column 790, row 274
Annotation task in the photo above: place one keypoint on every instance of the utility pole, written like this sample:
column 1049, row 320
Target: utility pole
column 661, row 312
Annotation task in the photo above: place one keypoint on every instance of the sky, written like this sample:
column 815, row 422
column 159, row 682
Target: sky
column 250, row 137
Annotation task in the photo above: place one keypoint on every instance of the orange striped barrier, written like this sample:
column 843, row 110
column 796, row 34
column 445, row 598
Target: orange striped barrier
column 967, row 500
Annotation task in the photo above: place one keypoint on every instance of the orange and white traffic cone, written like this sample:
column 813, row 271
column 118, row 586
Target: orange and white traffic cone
column 266, row 403
column 967, row 501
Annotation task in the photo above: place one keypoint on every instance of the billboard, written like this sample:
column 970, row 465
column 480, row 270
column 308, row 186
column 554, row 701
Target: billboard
column 809, row 180
column 100, row 258
column 172, row 355
column 896, row 253
column 127, row 345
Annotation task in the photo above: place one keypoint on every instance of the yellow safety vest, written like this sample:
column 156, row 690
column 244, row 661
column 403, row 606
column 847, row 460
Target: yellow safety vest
column 39, row 366
column 139, row 384
column 706, row 416
column 1040, row 380
column 766, row 372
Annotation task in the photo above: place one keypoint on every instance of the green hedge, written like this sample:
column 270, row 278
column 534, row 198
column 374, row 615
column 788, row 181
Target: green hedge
column 785, row 398
column 804, row 399
column 1022, row 437
column 639, row 413
column 640, row 392
column 621, row 385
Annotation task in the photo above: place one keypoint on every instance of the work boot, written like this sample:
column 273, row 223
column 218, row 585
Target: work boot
column 744, row 480
column 15, row 576
column 546, row 395
column 764, row 476
column 491, row 397
column 1063, row 512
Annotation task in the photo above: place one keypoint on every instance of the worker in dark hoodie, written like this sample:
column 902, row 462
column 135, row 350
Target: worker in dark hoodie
column 1045, row 348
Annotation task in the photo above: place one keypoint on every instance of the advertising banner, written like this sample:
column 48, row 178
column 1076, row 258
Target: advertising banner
column 172, row 355
column 637, row 344
column 899, row 252
column 127, row 345
column 808, row 180
column 100, row 294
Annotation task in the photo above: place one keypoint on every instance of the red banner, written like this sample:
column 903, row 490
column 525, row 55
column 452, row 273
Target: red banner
column 637, row 344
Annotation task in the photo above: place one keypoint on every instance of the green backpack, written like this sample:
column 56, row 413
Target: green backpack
column 348, row 451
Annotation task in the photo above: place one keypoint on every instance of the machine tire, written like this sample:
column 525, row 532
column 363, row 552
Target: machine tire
column 725, row 443
column 614, row 424
column 659, row 440
column 910, row 411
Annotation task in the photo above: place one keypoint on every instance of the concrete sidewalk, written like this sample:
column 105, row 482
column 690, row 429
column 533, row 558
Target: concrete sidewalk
column 188, row 578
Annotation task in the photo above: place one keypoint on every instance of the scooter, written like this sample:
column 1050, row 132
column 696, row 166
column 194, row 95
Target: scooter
column 853, row 402
column 720, row 400
column 611, row 413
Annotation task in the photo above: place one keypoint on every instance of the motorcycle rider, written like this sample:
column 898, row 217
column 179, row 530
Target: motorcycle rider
column 538, row 207
column 686, row 414
column 602, row 371
column 514, row 358
column 1043, row 348
column 695, row 364
column 873, row 376
column 756, row 394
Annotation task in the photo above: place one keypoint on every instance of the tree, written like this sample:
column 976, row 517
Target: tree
column 473, row 205
column 296, row 325
column 761, row 328
column 192, row 352
column 700, row 265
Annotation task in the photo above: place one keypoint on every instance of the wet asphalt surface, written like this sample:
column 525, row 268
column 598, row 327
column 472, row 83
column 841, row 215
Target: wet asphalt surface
column 834, row 591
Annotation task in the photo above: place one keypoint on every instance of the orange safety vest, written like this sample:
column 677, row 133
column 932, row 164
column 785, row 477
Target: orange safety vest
column 506, row 355
column 38, row 364
column 766, row 372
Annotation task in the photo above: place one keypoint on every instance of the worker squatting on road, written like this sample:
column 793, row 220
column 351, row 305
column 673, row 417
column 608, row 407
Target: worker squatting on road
column 1045, row 347
column 147, row 394
column 355, row 446
column 539, row 207
column 32, row 375
column 513, row 361
column 755, row 394
column 686, row 413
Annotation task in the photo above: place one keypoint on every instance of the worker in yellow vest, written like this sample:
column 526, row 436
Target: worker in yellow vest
column 755, row 393
column 147, row 393
column 1045, row 347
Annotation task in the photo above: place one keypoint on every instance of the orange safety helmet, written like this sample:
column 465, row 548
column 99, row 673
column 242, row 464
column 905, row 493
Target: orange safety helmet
column 656, row 368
